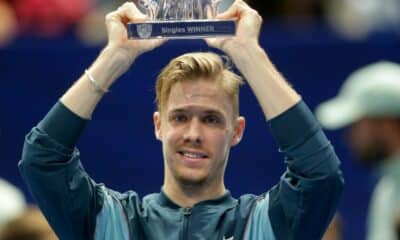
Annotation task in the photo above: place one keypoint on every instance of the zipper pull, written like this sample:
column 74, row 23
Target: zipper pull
column 187, row 211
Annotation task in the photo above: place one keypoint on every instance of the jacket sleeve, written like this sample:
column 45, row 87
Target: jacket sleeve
column 52, row 169
column 304, row 201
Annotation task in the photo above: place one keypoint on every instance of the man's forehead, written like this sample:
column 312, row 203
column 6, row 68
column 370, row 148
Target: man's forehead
column 193, row 90
column 205, row 94
column 200, row 95
column 198, row 89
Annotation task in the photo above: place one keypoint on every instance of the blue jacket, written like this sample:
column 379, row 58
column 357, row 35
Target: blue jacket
column 300, row 206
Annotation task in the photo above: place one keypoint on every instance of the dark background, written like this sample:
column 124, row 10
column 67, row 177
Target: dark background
column 119, row 148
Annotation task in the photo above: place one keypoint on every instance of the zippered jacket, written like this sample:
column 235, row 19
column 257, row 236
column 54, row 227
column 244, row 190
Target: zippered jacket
column 299, row 206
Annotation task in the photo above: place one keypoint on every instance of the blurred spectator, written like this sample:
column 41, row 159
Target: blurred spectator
column 31, row 225
column 356, row 20
column 43, row 18
column 369, row 103
column 8, row 23
column 290, row 11
column 12, row 202
column 49, row 18
column 91, row 29
column 334, row 231
column 398, row 226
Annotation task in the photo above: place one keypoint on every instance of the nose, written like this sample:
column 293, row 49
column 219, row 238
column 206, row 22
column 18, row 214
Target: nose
column 193, row 133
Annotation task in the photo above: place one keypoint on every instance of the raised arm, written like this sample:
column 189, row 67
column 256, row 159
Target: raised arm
column 272, row 91
column 114, row 60
column 302, row 204
column 74, row 205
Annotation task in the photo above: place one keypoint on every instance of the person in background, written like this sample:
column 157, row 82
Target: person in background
column 335, row 229
column 398, row 226
column 8, row 23
column 30, row 225
column 368, row 104
column 12, row 202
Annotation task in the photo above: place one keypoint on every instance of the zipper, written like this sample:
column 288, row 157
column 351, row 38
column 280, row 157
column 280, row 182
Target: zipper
column 186, row 214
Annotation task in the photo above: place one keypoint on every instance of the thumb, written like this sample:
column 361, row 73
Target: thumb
column 130, row 12
column 234, row 11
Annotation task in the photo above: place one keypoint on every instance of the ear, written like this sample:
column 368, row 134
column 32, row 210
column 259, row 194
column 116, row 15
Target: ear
column 157, row 125
column 238, row 131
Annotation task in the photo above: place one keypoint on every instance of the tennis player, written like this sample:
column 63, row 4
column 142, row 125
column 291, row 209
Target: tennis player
column 198, row 121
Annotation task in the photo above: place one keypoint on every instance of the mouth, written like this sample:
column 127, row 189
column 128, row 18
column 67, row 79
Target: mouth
column 192, row 156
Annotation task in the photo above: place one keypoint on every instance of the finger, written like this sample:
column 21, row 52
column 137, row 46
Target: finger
column 115, row 27
column 234, row 11
column 216, row 42
column 157, row 42
column 210, row 42
column 116, row 20
column 129, row 11
column 150, row 44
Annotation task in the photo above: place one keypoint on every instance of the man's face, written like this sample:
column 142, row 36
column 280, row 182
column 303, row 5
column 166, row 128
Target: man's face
column 366, row 141
column 197, row 129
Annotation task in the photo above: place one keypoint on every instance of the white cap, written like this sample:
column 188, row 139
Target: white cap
column 12, row 202
column 372, row 91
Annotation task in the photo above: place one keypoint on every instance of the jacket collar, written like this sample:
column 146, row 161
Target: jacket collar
column 225, row 200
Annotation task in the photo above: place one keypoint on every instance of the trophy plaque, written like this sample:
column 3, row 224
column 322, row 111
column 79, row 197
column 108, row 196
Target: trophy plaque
column 182, row 19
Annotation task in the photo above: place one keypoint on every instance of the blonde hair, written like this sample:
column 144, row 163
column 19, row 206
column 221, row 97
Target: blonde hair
column 193, row 66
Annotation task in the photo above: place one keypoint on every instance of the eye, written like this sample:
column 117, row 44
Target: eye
column 179, row 118
column 212, row 119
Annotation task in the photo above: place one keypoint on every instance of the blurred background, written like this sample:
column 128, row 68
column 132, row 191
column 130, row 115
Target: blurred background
column 46, row 44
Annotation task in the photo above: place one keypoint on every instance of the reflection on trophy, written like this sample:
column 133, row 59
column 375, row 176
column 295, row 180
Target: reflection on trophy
column 182, row 19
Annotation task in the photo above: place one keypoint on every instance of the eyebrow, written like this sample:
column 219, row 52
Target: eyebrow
column 183, row 110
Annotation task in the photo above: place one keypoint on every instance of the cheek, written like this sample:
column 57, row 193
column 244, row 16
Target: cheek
column 220, row 140
column 171, row 136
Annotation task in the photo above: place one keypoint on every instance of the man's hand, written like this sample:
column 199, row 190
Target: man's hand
column 247, row 31
column 118, row 40
column 271, row 89
column 114, row 60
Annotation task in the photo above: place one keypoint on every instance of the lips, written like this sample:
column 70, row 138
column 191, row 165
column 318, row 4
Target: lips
column 192, row 156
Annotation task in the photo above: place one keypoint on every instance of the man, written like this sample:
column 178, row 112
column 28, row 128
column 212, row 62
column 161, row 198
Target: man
column 369, row 104
column 197, row 121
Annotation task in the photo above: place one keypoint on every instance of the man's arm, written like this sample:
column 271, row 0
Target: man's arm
column 74, row 205
column 114, row 60
column 272, row 91
column 303, row 203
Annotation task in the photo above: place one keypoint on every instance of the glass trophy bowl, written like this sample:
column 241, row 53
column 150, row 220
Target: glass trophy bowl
column 182, row 19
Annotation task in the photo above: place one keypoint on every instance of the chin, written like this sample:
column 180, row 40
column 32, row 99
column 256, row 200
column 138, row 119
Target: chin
column 192, row 179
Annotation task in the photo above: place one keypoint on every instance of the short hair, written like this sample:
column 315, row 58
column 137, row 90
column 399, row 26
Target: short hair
column 191, row 67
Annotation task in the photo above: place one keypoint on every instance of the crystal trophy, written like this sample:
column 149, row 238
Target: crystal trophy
column 182, row 19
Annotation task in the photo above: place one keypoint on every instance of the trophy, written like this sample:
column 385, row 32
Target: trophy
column 182, row 19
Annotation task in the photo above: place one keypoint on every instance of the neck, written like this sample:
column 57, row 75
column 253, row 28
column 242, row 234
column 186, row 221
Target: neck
column 187, row 195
